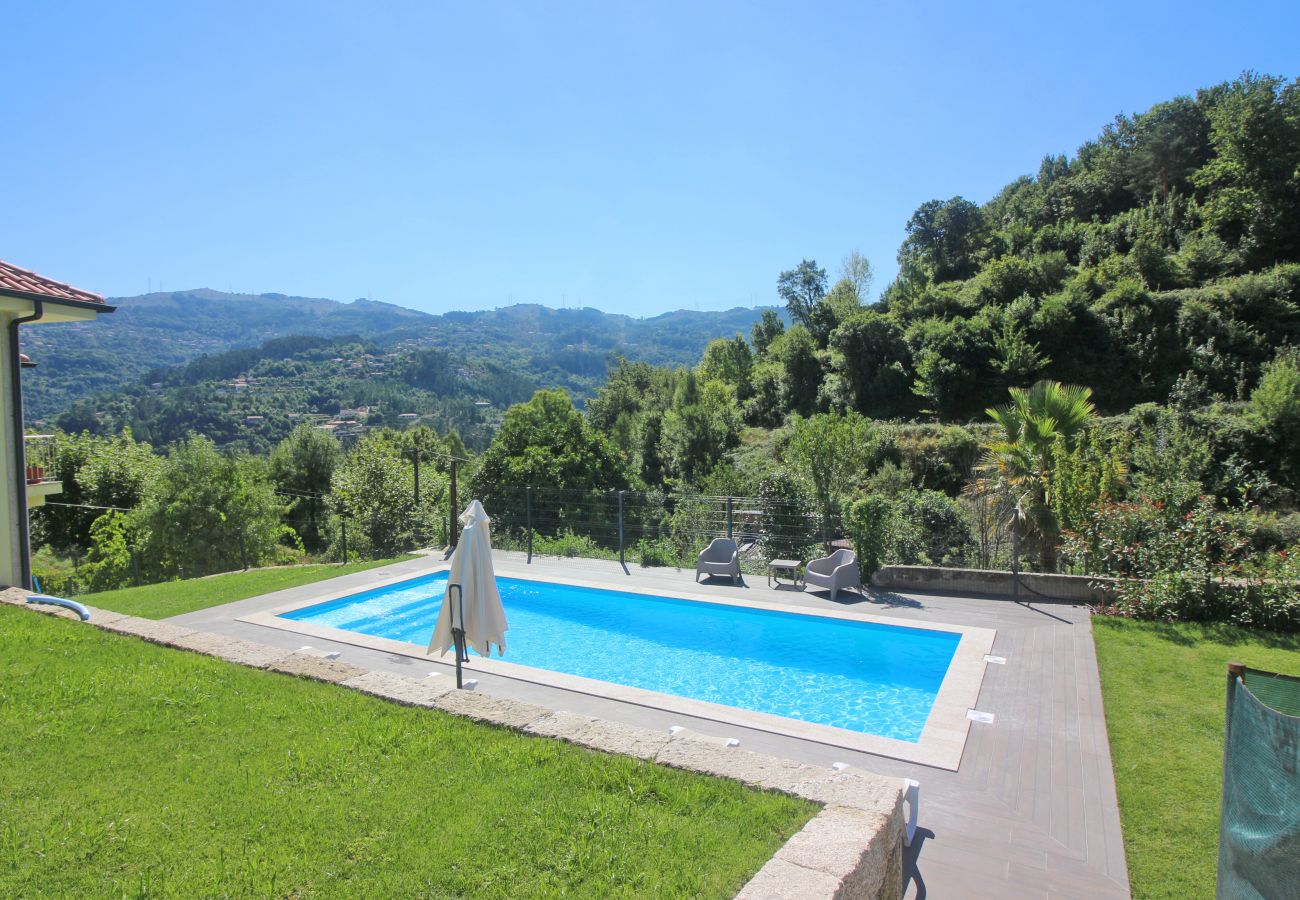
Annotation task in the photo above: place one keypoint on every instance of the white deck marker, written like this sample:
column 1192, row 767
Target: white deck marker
column 976, row 716
column 434, row 675
column 839, row 766
column 674, row 730
column 470, row 684
column 733, row 742
column 913, row 800
column 996, row 660
column 333, row 654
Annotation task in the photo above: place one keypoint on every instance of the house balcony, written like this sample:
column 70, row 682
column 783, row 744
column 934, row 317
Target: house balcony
column 41, row 482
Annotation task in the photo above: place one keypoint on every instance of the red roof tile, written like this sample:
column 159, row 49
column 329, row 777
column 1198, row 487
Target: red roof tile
column 16, row 279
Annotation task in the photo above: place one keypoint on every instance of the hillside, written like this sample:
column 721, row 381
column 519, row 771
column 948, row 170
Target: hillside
column 201, row 361
column 164, row 329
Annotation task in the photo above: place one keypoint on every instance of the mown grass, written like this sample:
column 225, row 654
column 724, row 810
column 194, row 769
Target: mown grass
column 134, row 769
column 173, row 598
column 1164, row 692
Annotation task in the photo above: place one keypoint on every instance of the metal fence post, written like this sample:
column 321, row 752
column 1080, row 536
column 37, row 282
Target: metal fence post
column 451, row 508
column 528, row 500
column 730, row 518
column 621, row 559
column 1015, row 554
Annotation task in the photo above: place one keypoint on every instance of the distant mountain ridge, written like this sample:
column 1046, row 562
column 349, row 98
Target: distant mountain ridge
column 568, row 348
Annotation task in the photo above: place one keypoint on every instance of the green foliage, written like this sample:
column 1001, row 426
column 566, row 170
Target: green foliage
column 546, row 443
column 867, row 522
column 206, row 512
column 567, row 544
column 1039, row 426
column 1275, row 405
column 944, row 238
column 927, row 528
column 790, row 527
column 94, row 472
column 699, row 428
column 302, row 467
column 373, row 489
column 829, row 452
column 802, row 289
column 109, row 563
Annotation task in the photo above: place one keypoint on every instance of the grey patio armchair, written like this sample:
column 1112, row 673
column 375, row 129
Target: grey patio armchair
column 835, row 572
column 721, row 557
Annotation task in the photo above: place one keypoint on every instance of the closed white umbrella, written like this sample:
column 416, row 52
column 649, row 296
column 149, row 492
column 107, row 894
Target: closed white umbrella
column 478, row 608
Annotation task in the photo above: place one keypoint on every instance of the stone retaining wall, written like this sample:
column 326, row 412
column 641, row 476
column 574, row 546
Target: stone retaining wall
column 852, row 848
column 1083, row 588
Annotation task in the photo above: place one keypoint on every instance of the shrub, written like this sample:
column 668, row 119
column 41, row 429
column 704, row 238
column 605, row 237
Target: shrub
column 655, row 553
column 868, row 522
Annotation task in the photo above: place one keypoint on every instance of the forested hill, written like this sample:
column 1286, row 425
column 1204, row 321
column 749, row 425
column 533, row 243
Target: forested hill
column 549, row 347
column 168, row 328
column 1160, row 260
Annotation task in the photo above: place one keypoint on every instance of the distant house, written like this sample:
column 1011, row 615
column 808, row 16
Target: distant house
column 27, row 299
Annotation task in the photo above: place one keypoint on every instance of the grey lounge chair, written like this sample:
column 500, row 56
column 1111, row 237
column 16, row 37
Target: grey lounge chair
column 721, row 557
column 835, row 572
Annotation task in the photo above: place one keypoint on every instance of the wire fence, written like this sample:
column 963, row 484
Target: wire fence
column 649, row 527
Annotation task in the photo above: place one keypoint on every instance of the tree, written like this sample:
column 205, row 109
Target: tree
column 97, row 473
column 1275, row 405
column 701, row 426
column 207, row 513
column 856, row 269
column 1253, row 179
column 767, row 329
column 546, row 443
column 796, row 352
column 830, row 452
column 870, row 356
column 802, row 288
column 945, row 238
column 1020, row 462
column 373, row 489
column 302, row 466
column 728, row 361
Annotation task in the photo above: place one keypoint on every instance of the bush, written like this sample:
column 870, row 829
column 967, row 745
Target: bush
column 566, row 543
column 868, row 523
column 655, row 553
column 1267, row 596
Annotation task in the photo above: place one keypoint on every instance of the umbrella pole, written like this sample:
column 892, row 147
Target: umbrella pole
column 458, row 631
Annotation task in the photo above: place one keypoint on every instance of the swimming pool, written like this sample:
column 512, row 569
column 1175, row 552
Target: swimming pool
column 867, row 677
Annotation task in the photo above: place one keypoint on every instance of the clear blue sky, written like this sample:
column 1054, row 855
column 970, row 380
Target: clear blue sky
column 635, row 158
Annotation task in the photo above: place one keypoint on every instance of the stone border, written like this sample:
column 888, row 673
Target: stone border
column 851, row 848
column 942, row 741
column 996, row 583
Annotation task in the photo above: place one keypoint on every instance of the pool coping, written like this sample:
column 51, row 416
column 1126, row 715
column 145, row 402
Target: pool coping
column 943, row 738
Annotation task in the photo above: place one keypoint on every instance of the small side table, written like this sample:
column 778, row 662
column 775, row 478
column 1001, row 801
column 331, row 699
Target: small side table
column 783, row 565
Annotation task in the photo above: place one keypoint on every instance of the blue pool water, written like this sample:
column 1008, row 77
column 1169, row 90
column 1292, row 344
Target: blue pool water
column 863, row 676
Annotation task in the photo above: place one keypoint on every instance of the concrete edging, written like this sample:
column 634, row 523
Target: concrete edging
column 851, row 848
column 1080, row 588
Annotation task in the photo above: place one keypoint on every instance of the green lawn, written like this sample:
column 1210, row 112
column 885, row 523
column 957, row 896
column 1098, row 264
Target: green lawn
column 1163, row 687
column 172, row 598
column 134, row 769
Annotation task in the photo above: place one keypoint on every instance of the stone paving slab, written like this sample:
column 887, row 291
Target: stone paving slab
column 600, row 734
column 149, row 629
column 782, row 880
column 486, row 708
column 316, row 667
column 400, row 689
column 832, row 843
column 231, row 649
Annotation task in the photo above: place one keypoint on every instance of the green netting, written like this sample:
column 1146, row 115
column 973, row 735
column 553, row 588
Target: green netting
column 1259, row 830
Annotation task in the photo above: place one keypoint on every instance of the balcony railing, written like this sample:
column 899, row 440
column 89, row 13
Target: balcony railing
column 40, row 458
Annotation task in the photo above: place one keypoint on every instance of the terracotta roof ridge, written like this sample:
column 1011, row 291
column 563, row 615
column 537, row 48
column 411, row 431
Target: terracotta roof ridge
column 14, row 278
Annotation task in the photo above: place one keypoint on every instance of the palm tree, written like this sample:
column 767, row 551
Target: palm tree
column 1019, row 463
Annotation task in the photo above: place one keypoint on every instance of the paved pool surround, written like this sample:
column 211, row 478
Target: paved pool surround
column 851, row 848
